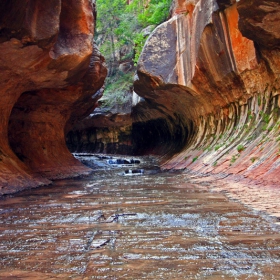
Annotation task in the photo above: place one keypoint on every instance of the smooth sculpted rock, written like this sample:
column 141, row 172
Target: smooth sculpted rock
column 210, row 80
column 50, row 76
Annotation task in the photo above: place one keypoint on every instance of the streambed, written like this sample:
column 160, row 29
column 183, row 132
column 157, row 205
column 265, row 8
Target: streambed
column 157, row 225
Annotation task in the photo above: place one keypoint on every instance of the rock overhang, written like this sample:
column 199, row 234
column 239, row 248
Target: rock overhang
column 221, row 80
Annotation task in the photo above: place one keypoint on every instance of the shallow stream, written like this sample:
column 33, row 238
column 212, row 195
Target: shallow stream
column 144, row 226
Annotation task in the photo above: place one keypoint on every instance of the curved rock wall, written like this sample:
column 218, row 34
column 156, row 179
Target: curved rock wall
column 211, row 73
column 50, row 75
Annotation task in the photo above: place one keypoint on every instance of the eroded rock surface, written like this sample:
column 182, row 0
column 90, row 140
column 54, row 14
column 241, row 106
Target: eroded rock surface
column 210, row 80
column 102, row 133
column 50, row 75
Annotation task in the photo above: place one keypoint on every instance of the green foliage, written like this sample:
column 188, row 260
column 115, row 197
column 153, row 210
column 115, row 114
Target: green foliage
column 147, row 13
column 139, row 42
column 264, row 128
column 240, row 148
column 156, row 12
column 194, row 159
column 266, row 118
column 116, row 89
column 120, row 38
column 233, row 159
column 218, row 147
column 120, row 24
column 151, row 12
column 270, row 128
column 253, row 159
column 115, row 98
column 108, row 21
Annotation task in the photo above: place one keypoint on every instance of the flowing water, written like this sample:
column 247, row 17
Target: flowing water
column 152, row 226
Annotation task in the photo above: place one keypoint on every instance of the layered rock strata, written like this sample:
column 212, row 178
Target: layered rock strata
column 210, row 80
column 102, row 133
column 50, row 75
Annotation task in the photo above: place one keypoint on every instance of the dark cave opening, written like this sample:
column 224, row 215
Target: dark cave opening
column 158, row 136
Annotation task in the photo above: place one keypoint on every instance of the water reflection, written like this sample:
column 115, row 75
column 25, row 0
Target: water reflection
column 153, row 226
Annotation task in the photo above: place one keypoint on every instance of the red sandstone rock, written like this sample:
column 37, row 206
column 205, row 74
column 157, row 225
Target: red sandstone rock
column 259, row 21
column 50, row 73
column 212, row 73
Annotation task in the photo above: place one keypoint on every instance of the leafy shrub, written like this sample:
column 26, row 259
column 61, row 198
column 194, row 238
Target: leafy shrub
column 240, row 148
column 233, row 159
column 156, row 12
column 116, row 89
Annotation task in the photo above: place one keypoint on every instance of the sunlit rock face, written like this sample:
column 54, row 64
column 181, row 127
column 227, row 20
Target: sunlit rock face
column 210, row 80
column 50, row 75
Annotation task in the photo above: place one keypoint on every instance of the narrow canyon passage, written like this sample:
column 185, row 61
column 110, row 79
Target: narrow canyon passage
column 151, row 226
column 195, row 83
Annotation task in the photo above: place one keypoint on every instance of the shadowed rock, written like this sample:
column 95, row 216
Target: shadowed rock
column 102, row 133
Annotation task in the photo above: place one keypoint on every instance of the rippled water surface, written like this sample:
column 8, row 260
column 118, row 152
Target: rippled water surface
column 152, row 226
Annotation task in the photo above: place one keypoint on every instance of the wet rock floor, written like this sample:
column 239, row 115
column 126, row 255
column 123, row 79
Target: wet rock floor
column 152, row 226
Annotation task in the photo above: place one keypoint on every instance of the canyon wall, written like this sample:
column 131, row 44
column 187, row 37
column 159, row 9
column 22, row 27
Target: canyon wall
column 51, row 72
column 102, row 132
column 210, row 82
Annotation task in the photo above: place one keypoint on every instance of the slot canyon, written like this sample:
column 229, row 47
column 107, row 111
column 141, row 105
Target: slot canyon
column 205, row 118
